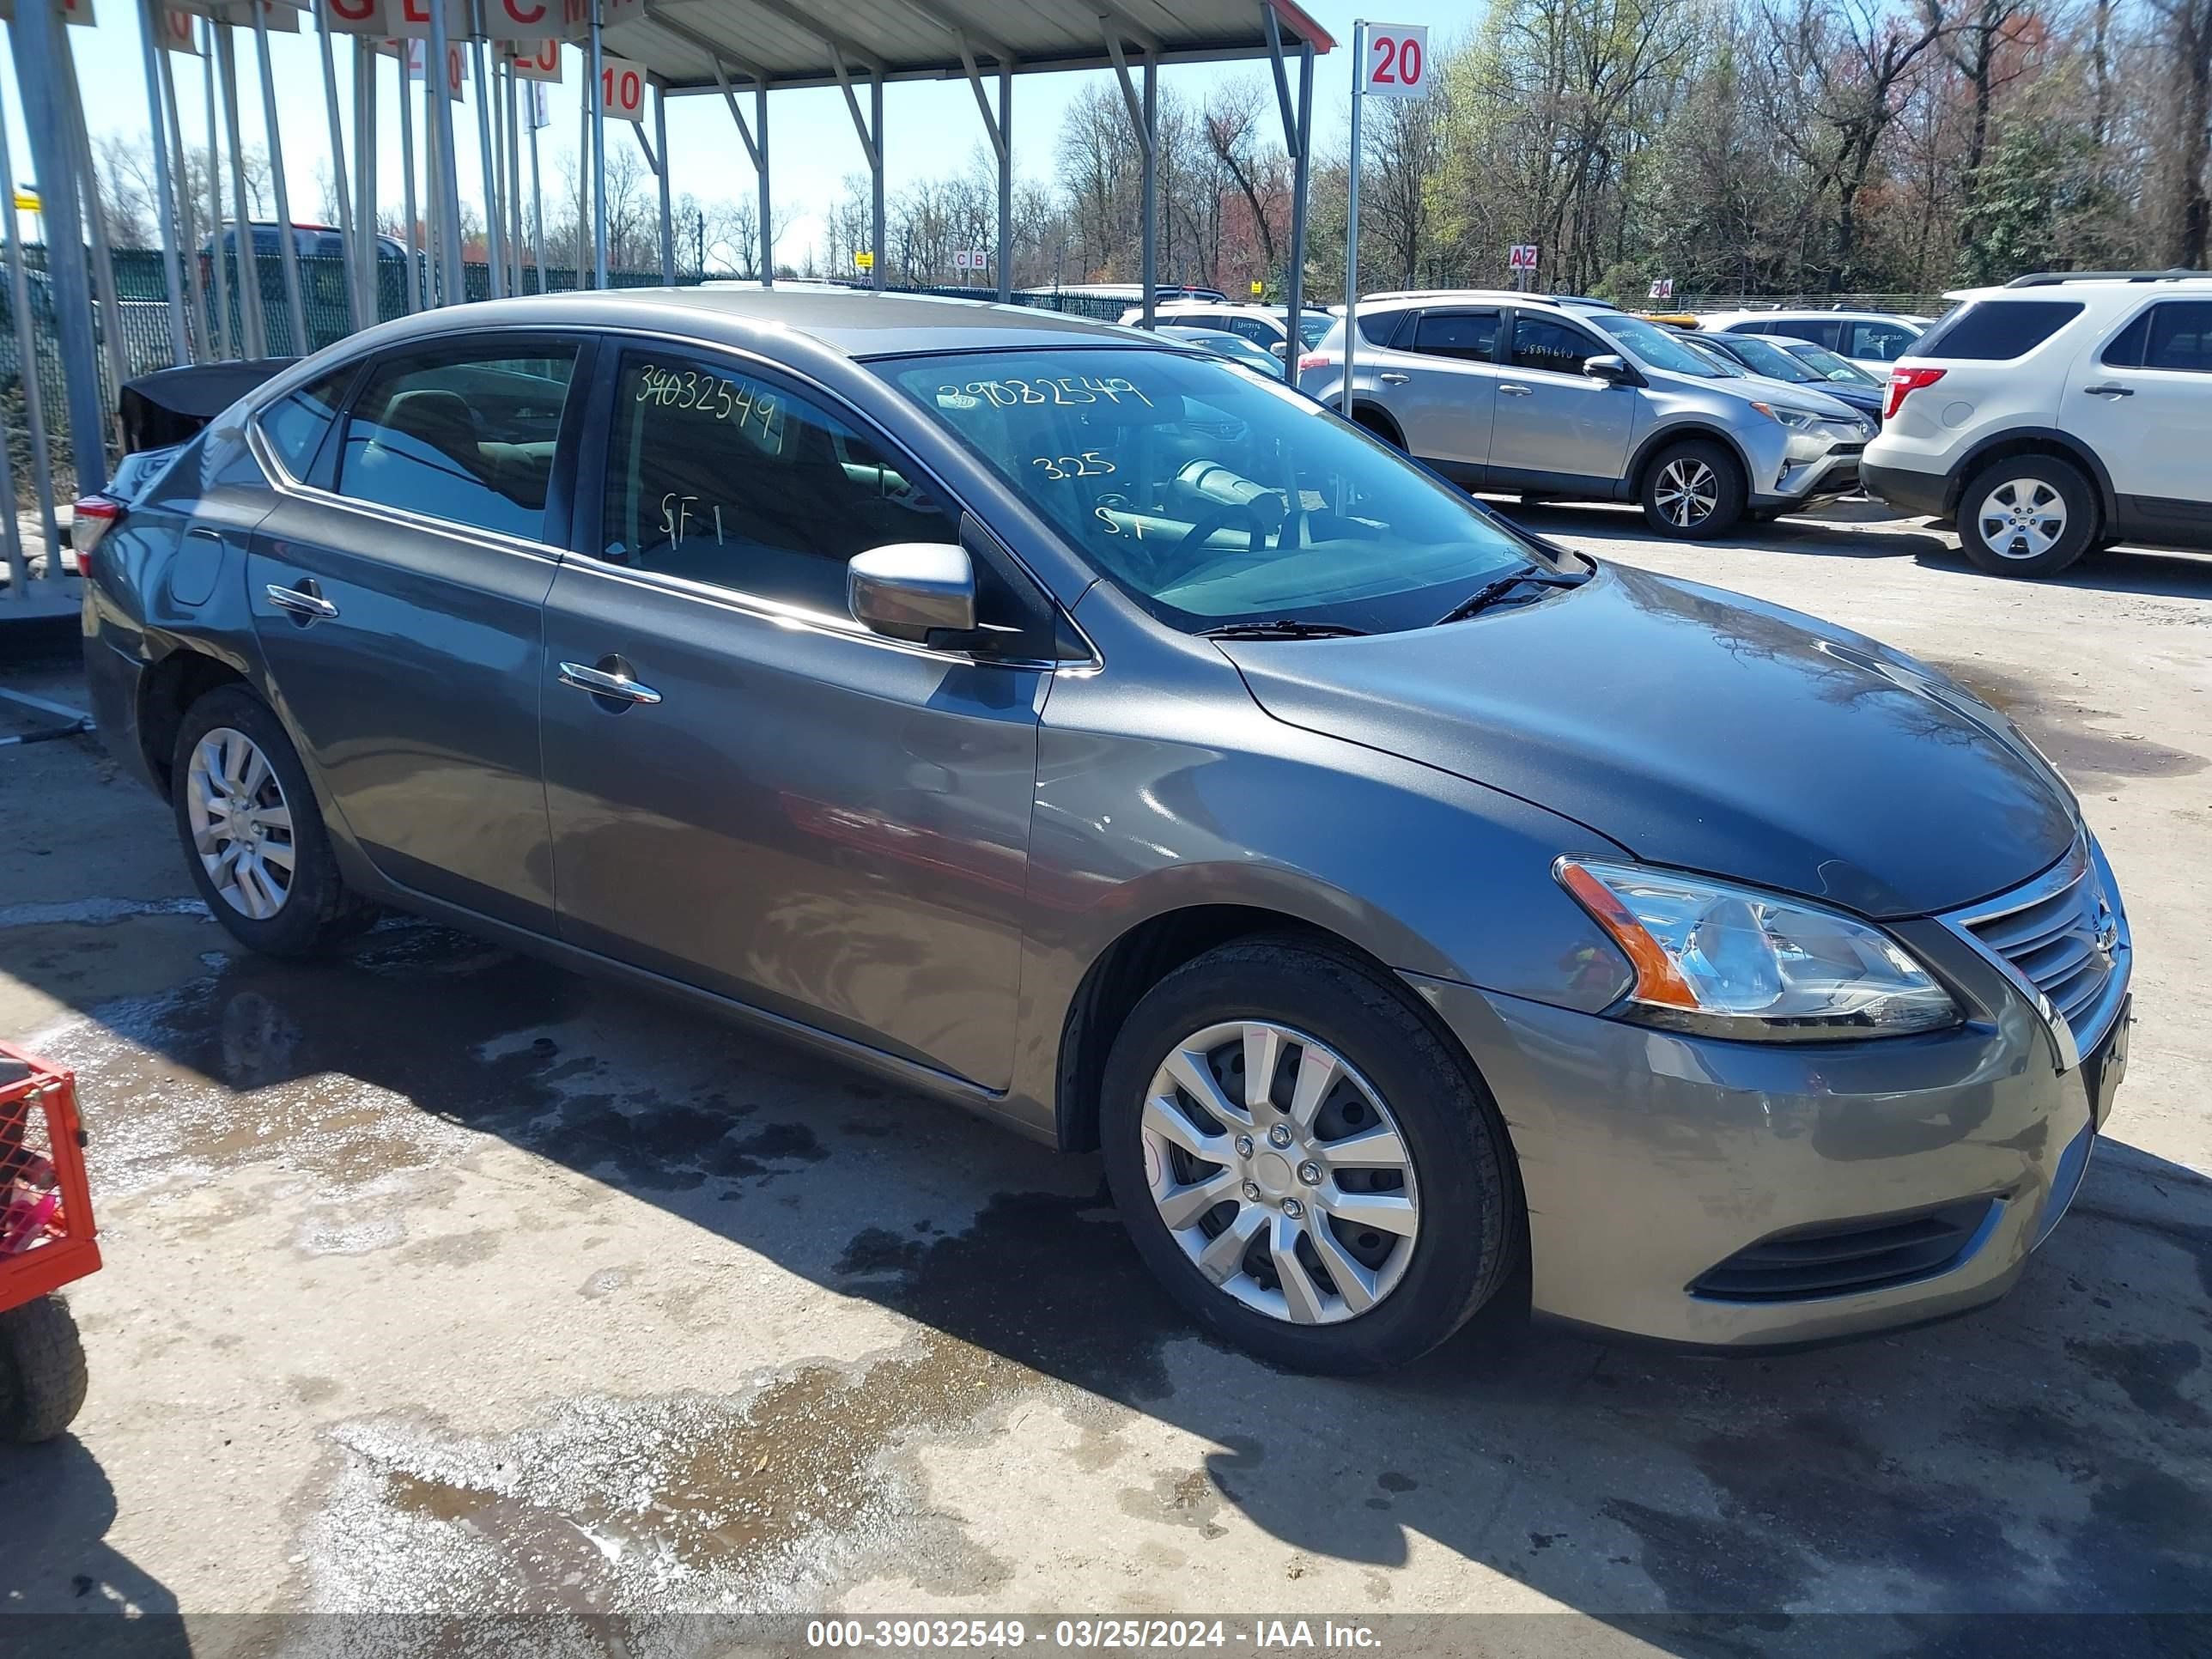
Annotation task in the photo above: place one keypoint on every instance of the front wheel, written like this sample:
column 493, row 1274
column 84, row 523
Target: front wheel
column 1693, row 490
column 42, row 1371
column 1309, row 1170
column 2030, row 516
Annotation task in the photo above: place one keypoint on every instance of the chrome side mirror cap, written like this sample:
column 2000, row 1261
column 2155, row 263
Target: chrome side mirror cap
column 913, row 591
column 1611, row 367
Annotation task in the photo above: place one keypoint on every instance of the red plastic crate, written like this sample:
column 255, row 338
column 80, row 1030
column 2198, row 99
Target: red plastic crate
column 46, row 1234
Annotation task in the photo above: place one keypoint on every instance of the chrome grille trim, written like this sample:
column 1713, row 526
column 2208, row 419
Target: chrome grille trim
column 2062, row 940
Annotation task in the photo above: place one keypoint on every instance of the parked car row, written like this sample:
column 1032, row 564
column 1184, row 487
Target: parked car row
column 1090, row 731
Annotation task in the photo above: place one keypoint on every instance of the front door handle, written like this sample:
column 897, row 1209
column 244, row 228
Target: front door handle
column 301, row 602
column 1393, row 379
column 2108, row 390
column 601, row 684
column 1514, row 389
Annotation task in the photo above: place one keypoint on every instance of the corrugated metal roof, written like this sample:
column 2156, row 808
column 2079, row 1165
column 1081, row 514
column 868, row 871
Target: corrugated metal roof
column 801, row 43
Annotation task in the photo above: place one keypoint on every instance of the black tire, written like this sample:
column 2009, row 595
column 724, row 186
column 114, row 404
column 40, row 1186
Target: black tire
column 318, row 913
column 2026, row 476
column 1456, row 1141
column 1730, row 491
column 1380, row 425
column 42, row 1372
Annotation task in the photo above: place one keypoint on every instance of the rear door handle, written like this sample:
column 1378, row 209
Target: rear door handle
column 1393, row 379
column 306, row 605
column 600, row 684
column 2108, row 390
column 1513, row 389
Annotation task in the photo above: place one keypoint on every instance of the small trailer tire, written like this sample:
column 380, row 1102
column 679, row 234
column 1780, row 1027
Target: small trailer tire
column 42, row 1371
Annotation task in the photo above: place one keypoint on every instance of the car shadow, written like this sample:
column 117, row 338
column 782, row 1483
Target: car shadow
column 2050, row 1454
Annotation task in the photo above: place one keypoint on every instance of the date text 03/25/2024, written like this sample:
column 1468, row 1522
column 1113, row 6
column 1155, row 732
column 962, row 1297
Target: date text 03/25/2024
column 1255, row 1636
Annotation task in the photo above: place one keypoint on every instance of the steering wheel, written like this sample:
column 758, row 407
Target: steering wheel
column 1257, row 528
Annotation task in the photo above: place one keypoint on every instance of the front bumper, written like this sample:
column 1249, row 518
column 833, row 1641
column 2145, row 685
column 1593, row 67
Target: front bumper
column 1650, row 1160
column 1795, row 483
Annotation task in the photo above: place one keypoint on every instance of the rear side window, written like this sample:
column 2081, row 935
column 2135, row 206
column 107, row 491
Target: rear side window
column 464, row 436
column 1996, row 331
column 2176, row 334
column 718, row 476
column 1470, row 336
column 295, row 426
column 1380, row 327
column 1821, row 330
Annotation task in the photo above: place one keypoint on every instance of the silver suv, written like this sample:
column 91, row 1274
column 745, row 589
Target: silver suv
column 1550, row 396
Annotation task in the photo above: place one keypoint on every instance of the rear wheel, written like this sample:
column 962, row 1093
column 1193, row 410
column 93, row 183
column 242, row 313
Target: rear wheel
column 253, row 836
column 1693, row 490
column 2031, row 515
column 1312, row 1175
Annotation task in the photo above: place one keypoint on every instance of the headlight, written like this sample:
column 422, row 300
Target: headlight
column 1735, row 961
column 1797, row 420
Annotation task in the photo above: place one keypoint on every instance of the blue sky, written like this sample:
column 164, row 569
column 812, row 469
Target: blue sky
column 930, row 127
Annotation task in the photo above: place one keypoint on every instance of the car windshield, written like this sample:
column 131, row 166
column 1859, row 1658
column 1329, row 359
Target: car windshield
column 1763, row 356
column 1825, row 364
column 1659, row 348
column 1212, row 494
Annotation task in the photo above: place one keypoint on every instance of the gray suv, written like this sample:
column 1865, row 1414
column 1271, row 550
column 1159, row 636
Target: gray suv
column 1550, row 396
column 1097, row 735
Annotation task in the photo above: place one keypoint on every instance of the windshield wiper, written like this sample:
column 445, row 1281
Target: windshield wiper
column 1492, row 592
column 1282, row 628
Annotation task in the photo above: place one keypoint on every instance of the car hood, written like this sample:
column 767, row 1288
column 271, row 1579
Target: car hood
column 1703, row 730
column 1758, row 389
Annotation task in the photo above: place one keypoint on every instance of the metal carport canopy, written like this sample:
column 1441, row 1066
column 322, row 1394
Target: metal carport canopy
column 786, row 43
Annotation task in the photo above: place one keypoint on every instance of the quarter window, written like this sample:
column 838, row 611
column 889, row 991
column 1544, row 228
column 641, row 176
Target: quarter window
column 1996, row 331
column 464, row 436
column 719, row 476
column 295, row 426
column 1470, row 336
column 1543, row 343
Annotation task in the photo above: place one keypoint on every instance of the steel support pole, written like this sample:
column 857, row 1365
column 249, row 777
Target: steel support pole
column 877, row 218
column 453, row 285
column 418, row 275
column 112, row 338
column 346, row 237
column 1151, row 187
column 598, row 155
column 1352, row 215
column 536, row 194
column 767, row 204
column 369, row 306
column 34, row 35
column 172, row 277
column 667, row 205
column 288, row 254
column 181, row 181
column 11, row 523
column 26, row 346
column 252, row 308
column 516, row 246
column 217, row 268
column 1005, row 251
column 1298, row 139
column 494, row 223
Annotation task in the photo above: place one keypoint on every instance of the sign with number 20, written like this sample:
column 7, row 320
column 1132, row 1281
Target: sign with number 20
column 1397, row 63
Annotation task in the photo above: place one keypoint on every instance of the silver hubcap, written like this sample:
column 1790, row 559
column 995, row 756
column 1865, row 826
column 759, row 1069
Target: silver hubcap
column 242, row 825
column 1280, row 1172
column 2022, row 519
column 1687, row 492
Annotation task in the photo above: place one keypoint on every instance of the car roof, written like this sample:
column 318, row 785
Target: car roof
column 1814, row 314
column 1404, row 296
column 2158, row 286
column 851, row 323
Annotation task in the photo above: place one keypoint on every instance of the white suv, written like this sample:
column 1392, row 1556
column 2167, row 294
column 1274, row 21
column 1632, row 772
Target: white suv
column 1872, row 340
column 2056, row 414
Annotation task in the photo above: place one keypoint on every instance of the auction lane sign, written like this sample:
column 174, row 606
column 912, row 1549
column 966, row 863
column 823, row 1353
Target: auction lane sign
column 1389, row 60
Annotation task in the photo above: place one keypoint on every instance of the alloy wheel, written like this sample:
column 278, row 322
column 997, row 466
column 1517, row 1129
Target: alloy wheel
column 1687, row 492
column 1280, row 1172
column 2021, row 519
column 242, row 824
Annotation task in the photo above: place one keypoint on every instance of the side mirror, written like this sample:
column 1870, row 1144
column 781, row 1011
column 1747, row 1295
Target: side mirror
column 1280, row 351
column 913, row 591
column 1610, row 367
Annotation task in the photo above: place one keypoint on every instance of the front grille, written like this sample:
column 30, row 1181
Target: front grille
column 1847, row 1257
column 2062, row 935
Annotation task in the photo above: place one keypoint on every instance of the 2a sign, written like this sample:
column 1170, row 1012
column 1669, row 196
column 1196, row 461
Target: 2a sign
column 1397, row 61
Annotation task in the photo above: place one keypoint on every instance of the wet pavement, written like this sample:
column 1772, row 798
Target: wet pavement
column 441, row 1281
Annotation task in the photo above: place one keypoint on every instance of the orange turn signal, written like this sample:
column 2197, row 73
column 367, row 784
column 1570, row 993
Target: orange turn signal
column 1657, row 980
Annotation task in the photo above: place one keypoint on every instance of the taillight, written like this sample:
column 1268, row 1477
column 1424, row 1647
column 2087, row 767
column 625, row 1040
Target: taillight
column 1312, row 360
column 1902, row 383
column 92, row 519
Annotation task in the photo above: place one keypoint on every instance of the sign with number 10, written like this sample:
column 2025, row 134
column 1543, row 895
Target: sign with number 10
column 1397, row 63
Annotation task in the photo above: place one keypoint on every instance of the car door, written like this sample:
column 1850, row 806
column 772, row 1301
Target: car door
column 781, row 807
column 1557, row 426
column 1441, row 385
column 396, row 598
column 2143, row 404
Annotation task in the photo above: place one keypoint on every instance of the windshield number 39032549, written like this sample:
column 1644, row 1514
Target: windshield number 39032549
column 1089, row 465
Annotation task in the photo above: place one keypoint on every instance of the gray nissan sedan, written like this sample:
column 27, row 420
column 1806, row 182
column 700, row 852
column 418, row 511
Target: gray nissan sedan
column 1099, row 735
